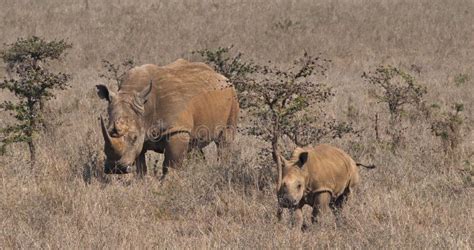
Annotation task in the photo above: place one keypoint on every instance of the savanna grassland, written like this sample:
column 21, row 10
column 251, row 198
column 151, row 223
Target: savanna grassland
column 419, row 196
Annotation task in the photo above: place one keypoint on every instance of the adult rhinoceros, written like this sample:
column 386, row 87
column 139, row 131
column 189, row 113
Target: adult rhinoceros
column 169, row 110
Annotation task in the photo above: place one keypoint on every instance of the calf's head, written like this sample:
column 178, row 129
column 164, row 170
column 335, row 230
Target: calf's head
column 294, row 178
column 125, row 133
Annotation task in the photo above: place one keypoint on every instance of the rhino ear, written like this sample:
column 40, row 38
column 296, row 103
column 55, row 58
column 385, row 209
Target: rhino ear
column 145, row 93
column 104, row 93
column 283, row 161
column 302, row 159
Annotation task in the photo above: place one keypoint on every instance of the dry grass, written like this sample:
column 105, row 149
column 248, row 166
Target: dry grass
column 416, row 198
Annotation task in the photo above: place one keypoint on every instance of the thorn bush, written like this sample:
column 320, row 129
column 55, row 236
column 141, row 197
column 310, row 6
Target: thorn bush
column 397, row 90
column 116, row 72
column 33, row 84
column 281, row 102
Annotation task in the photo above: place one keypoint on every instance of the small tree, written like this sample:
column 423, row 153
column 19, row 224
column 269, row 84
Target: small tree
column 33, row 84
column 282, row 102
column 281, row 99
column 285, row 104
column 397, row 89
column 116, row 72
column 233, row 67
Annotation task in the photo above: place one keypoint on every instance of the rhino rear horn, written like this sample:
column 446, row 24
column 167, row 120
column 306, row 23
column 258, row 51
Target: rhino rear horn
column 143, row 95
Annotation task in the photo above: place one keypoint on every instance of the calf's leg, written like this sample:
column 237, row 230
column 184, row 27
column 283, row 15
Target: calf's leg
column 279, row 213
column 298, row 218
column 320, row 206
column 337, row 205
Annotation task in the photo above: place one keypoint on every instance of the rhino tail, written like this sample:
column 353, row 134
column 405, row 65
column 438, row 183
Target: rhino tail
column 365, row 166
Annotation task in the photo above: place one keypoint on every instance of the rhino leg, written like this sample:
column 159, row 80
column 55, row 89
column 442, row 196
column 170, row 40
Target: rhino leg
column 141, row 165
column 224, row 141
column 175, row 151
column 227, row 134
column 279, row 213
column 201, row 153
column 321, row 205
column 336, row 206
column 221, row 150
column 198, row 150
column 155, row 168
column 298, row 218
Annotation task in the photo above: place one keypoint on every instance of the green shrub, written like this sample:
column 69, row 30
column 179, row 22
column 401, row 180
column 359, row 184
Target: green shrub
column 461, row 79
column 233, row 67
column 282, row 103
column 33, row 84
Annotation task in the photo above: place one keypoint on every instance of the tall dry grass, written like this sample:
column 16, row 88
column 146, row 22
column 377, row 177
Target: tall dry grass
column 416, row 198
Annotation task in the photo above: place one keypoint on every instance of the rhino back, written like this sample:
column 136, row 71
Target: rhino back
column 212, row 113
column 181, row 92
column 330, row 169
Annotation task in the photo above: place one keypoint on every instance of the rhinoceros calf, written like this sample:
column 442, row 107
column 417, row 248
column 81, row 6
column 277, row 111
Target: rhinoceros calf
column 321, row 176
column 169, row 110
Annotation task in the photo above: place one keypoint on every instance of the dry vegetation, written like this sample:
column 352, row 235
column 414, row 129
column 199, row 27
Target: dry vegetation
column 418, row 197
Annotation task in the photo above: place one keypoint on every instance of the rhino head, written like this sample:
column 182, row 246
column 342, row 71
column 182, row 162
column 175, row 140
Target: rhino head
column 124, row 135
column 294, row 178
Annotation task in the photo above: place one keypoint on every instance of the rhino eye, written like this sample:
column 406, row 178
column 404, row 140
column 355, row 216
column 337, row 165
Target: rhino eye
column 114, row 133
column 133, row 138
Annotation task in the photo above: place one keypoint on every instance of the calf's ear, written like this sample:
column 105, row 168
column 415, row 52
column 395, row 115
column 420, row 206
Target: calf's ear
column 104, row 93
column 302, row 159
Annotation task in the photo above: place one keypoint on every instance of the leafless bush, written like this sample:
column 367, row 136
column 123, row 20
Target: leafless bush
column 116, row 72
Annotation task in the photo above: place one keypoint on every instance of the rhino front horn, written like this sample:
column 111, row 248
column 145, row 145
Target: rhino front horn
column 105, row 133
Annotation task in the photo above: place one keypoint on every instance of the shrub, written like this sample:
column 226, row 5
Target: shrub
column 397, row 90
column 283, row 103
column 448, row 127
column 33, row 84
column 467, row 173
column 116, row 72
column 231, row 66
column 286, row 25
column 461, row 79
